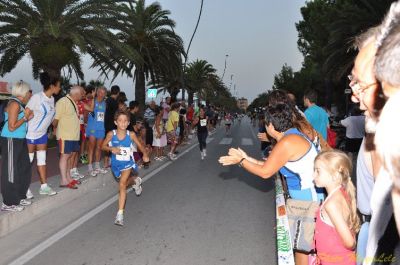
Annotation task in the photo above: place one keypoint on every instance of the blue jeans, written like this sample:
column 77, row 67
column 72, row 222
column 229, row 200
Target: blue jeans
column 362, row 243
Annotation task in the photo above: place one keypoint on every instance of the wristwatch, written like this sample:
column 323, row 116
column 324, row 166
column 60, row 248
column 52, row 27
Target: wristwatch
column 241, row 162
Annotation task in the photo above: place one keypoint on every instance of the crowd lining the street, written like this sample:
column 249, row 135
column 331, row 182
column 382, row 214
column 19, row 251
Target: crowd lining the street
column 89, row 126
column 353, row 226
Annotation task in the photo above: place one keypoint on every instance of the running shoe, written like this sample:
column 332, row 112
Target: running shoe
column 138, row 186
column 47, row 191
column 119, row 219
column 172, row 156
column 204, row 152
column 76, row 175
column 93, row 173
column 29, row 194
column 12, row 208
column 202, row 155
column 101, row 170
column 25, row 202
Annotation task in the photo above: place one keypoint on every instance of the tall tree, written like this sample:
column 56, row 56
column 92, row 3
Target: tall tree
column 53, row 33
column 153, row 48
column 197, row 77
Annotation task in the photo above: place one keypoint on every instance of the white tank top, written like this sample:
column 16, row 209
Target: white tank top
column 304, row 166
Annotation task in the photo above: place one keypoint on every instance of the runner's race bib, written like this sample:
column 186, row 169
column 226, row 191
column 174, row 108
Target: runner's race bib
column 125, row 154
column 100, row 116
column 203, row 122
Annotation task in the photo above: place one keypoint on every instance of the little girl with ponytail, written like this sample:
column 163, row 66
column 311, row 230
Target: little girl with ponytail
column 337, row 221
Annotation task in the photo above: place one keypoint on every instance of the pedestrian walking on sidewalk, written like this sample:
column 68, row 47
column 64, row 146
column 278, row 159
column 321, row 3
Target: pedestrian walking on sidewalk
column 15, row 169
column 120, row 143
column 202, row 132
column 42, row 105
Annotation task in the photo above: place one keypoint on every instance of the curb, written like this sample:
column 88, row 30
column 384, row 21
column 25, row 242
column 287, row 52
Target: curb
column 11, row 221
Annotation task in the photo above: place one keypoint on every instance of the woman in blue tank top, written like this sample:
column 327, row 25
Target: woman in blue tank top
column 292, row 150
column 16, row 168
column 95, row 131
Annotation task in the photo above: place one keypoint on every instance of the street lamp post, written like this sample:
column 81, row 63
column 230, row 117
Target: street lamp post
column 223, row 74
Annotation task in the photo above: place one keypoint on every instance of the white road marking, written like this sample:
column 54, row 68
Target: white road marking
column 247, row 141
column 209, row 140
column 226, row 141
column 23, row 259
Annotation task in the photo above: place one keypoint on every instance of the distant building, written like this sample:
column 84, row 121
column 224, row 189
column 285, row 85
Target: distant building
column 242, row 103
column 4, row 91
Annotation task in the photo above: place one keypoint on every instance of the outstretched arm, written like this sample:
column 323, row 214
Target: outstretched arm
column 279, row 156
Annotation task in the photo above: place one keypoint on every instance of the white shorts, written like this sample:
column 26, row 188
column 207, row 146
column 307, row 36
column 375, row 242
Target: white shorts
column 160, row 142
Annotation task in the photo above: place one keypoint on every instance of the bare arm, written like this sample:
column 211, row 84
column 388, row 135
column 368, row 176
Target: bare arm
column 195, row 121
column 279, row 156
column 332, row 208
column 13, row 110
column 55, row 123
column 106, row 147
column 90, row 107
column 140, row 147
column 291, row 147
column 157, row 125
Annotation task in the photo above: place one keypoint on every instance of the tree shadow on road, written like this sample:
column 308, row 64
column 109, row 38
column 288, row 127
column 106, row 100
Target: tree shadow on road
column 263, row 185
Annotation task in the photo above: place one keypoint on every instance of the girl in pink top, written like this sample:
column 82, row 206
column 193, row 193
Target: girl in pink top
column 337, row 220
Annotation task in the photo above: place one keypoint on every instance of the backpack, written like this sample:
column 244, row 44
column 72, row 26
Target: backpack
column 3, row 106
column 2, row 114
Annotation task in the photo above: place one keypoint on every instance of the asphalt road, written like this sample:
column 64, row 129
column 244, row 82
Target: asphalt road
column 191, row 212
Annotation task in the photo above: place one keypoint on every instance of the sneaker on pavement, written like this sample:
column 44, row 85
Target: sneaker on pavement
column 202, row 155
column 119, row 219
column 47, row 191
column 76, row 175
column 101, row 170
column 138, row 186
column 204, row 152
column 29, row 194
column 93, row 173
column 12, row 208
column 172, row 156
column 25, row 202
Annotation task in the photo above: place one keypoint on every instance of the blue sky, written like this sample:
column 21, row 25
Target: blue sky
column 258, row 35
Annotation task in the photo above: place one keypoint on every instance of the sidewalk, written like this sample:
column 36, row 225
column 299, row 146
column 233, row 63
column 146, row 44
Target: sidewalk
column 42, row 205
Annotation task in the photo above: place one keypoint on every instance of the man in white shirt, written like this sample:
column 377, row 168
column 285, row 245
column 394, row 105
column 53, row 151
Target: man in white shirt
column 355, row 131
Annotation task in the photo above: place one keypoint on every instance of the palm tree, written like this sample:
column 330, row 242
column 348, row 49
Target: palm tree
column 197, row 77
column 350, row 21
column 154, row 48
column 54, row 33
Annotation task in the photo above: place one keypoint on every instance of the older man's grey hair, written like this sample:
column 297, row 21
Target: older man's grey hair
column 75, row 90
column 366, row 37
column 387, row 60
